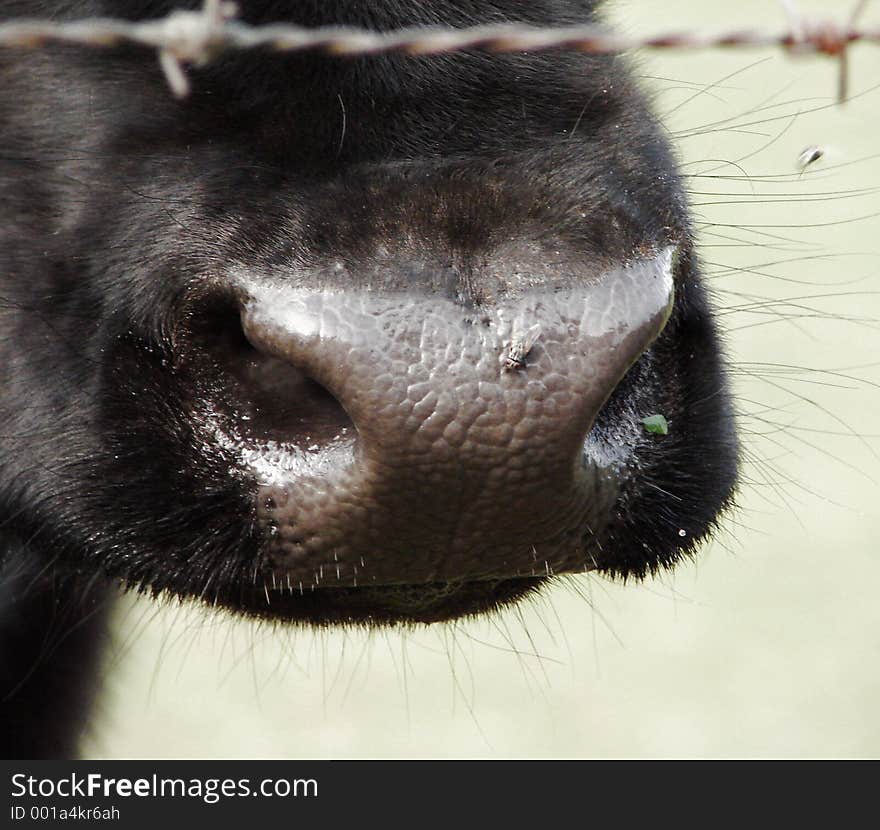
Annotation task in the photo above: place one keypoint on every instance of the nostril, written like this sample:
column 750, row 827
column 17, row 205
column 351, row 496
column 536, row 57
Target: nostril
column 294, row 408
column 214, row 329
column 272, row 398
column 285, row 405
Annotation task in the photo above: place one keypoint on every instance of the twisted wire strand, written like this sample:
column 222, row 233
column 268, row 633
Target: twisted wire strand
column 197, row 37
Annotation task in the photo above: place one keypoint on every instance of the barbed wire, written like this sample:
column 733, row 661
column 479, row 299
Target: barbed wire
column 198, row 37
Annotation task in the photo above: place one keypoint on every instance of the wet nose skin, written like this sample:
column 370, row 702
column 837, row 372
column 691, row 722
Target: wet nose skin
column 464, row 456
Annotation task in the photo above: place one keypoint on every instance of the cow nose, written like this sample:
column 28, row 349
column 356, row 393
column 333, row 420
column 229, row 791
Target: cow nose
column 457, row 443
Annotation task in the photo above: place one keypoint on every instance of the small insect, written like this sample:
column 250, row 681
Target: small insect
column 521, row 343
column 808, row 157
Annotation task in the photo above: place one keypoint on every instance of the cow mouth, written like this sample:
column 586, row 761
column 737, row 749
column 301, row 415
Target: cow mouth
column 387, row 604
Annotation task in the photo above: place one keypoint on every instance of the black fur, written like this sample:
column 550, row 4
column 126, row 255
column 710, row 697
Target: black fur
column 116, row 201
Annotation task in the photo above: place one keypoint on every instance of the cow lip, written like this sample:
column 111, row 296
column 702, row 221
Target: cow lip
column 404, row 604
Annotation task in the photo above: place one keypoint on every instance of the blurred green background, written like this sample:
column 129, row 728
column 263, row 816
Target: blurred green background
column 769, row 643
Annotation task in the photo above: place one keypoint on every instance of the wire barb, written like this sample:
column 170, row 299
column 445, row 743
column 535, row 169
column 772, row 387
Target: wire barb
column 198, row 37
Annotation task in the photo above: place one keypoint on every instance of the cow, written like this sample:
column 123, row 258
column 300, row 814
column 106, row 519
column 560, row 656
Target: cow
column 380, row 340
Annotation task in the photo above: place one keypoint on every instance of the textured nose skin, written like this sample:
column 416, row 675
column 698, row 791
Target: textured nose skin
column 466, row 458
